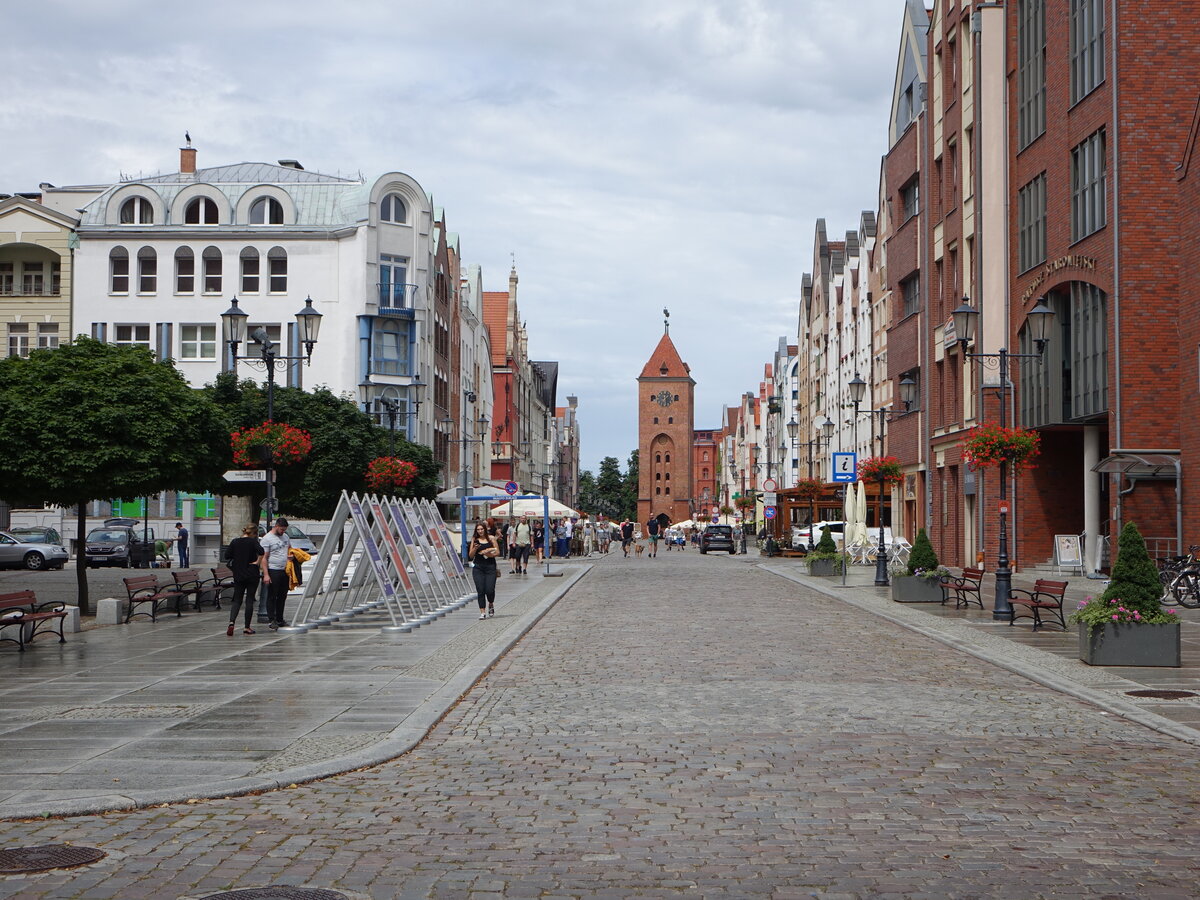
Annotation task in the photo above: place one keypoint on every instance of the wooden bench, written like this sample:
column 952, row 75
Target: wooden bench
column 144, row 589
column 1046, row 595
column 20, row 611
column 220, row 583
column 965, row 588
column 189, row 584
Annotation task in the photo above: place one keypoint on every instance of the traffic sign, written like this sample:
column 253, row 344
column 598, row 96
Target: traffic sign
column 716, row 520
column 845, row 467
column 512, row 488
column 769, row 512
column 246, row 475
column 770, row 485
column 770, row 498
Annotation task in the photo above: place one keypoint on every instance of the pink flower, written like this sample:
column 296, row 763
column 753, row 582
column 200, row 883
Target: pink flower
column 1116, row 618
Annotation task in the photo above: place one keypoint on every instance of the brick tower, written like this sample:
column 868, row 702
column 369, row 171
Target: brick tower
column 666, row 409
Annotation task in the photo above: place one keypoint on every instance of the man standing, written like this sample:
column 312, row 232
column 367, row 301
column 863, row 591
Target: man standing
column 276, row 545
column 181, row 539
column 652, row 531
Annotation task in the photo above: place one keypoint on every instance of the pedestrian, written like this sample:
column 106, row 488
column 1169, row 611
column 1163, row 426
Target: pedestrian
column 483, row 552
column 560, row 538
column 539, row 539
column 603, row 536
column 589, row 538
column 276, row 545
column 652, row 532
column 522, row 538
column 568, row 535
column 626, row 536
column 249, row 566
column 181, row 542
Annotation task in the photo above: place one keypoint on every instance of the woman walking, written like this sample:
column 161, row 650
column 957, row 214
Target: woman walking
column 248, row 564
column 483, row 552
column 539, row 539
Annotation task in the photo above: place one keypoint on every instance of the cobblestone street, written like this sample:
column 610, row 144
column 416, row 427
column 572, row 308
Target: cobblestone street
column 693, row 725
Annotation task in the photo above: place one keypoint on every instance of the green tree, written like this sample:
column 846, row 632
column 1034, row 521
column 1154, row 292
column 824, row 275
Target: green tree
column 922, row 555
column 606, row 490
column 1135, row 580
column 345, row 440
column 629, row 491
column 588, row 499
column 91, row 421
column 826, row 544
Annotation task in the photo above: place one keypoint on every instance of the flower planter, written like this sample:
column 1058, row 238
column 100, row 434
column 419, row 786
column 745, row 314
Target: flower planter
column 823, row 567
column 1130, row 645
column 913, row 589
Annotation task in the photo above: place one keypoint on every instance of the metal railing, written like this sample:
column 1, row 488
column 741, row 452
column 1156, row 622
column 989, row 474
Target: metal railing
column 40, row 290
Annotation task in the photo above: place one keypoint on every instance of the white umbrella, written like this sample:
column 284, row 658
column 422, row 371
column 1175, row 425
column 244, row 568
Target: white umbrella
column 849, row 508
column 534, row 506
column 860, row 515
column 450, row 495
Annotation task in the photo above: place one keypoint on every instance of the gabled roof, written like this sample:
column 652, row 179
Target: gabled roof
column 495, row 318
column 665, row 362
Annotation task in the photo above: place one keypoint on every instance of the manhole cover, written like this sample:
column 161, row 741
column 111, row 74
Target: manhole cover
column 46, row 857
column 278, row 892
column 1162, row 695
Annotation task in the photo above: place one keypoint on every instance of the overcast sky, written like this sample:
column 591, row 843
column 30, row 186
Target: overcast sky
column 632, row 155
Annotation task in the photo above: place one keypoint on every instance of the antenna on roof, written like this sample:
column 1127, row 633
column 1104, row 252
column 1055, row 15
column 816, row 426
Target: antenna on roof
column 666, row 321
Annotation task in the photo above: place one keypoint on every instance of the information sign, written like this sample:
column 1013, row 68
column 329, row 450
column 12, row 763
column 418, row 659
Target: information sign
column 845, row 467
column 770, row 498
column 245, row 475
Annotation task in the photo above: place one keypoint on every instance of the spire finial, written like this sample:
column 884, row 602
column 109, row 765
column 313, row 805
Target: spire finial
column 666, row 321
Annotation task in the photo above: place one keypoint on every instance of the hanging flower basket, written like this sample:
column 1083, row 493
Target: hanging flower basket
column 285, row 443
column 881, row 468
column 390, row 473
column 809, row 488
column 744, row 502
column 989, row 445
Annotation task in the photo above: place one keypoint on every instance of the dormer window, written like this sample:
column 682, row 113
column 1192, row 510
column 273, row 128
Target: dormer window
column 393, row 209
column 201, row 211
column 137, row 211
column 266, row 211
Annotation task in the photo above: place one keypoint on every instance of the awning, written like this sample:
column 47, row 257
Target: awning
column 1141, row 463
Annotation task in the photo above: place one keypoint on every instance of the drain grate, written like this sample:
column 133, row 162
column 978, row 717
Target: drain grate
column 1163, row 695
column 47, row 857
column 278, row 892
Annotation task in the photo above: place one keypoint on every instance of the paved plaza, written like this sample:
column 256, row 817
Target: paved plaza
column 703, row 726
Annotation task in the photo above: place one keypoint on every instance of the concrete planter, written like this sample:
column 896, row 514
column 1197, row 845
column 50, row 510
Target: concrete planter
column 823, row 567
column 1130, row 645
column 911, row 589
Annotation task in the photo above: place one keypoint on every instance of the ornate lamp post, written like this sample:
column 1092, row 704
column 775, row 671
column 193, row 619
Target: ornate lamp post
column 908, row 390
column 1038, row 320
column 308, row 324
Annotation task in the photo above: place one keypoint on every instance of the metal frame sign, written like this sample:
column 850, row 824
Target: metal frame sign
column 845, row 468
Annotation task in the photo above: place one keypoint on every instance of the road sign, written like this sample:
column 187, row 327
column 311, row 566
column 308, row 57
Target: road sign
column 770, row 485
column 246, row 475
column 845, row 467
column 770, row 498
column 716, row 520
column 512, row 488
column 270, row 504
column 769, row 512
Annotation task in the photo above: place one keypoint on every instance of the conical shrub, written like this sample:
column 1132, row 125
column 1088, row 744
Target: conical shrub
column 826, row 544
column 922, row 555
column 1135, row 580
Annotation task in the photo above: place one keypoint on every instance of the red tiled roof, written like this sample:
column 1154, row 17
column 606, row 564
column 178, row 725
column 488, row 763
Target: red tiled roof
column 495, row 317
column 666, row 355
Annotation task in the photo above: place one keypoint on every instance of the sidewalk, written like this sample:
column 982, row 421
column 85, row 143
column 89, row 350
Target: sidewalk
column 1049, row 656
column 134, row 715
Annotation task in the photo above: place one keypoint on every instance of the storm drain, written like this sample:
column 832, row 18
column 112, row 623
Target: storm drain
column 47, row 857
column 1163, row 695
column 278, row 892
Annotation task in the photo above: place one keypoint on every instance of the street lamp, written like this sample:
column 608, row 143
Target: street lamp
column 308, row 324
column 908, row 393
column 824, row 435
column 1038, row 319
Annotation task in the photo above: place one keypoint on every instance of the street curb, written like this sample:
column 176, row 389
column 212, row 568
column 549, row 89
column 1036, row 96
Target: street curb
column 406, row 736
column 1044, row 677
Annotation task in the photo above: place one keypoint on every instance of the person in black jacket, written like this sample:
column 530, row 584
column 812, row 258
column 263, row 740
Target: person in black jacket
column 483, row 552
column 249, row 566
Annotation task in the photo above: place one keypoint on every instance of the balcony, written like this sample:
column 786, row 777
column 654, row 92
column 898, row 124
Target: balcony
column 30, row 290
column 394, row 300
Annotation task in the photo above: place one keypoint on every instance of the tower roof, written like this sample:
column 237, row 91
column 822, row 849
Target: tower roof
column 665, row 362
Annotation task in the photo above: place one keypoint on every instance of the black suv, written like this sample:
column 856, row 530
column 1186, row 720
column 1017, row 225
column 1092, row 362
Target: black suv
column 119, row 545
column 717, row 537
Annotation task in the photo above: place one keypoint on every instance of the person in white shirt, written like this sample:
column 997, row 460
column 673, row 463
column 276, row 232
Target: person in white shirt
column 589, row 538
column 276, row 544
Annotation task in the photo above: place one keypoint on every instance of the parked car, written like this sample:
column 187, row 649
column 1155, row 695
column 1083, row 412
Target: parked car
column 119, row 545
column 301, row 541
column 37, row 534
column 37, row 554
column 717, row 537
column 837, row 530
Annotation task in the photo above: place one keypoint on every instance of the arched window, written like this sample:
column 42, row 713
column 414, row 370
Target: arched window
column 668, row 490
column 670, row 420
column 656, row 420
column 201, row 211
column 706, row 456
column 212, row 270
column 147, row 271
column 658, row 476
column 668, row 478
column 658, row 490
column 137, row 211
column 185, row 271
column 704, row 473
column 118, row 271
column 668, row 457
column 658, row 457
column 266, row 211
column 277, row 270
column 250, row 271
column 393, row 209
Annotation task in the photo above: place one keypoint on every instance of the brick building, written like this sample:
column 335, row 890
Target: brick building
column 666, row 413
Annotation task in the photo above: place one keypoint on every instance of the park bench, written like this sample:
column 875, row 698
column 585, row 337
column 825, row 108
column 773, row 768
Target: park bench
column 188, row 583
column 21, row 614
column 220, row 583
column 1046, row 595
column 965, row 588
column 145, row 589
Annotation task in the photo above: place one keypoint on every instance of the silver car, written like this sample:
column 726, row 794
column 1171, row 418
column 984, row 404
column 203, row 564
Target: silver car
column 31, row 555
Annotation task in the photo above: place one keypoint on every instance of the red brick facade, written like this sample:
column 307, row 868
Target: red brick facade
column 666, row 411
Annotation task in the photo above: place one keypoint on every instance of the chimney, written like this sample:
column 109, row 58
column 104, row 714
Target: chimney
column 187, row 160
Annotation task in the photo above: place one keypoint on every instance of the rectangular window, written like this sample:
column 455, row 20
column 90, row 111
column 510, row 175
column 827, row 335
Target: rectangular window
column 1031, row 224
column 212, row 274
column 389, row 347
column 278, row 267
column 132, row 336
column 18, row 339
column 1087, row 47
column 119, row 274
column 6, row 279
column 185, row 274
column 910, row 290
column 47, row 335
column 1031, row 72
column 250, row 268
column 32, row 279
column 147, row 273
column 1088, row 187
column 910, row 199
column 197, row 341
column 393, row 278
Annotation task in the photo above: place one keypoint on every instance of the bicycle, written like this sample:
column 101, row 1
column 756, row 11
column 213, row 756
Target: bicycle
column 1183, row 588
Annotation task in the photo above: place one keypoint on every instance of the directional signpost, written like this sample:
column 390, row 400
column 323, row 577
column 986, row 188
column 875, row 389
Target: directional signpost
column 246, row 475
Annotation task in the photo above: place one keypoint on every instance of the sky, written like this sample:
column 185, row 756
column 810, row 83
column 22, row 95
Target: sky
column 629, row 155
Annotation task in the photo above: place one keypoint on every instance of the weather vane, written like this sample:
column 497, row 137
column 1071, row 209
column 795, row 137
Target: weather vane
column 666, row 321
